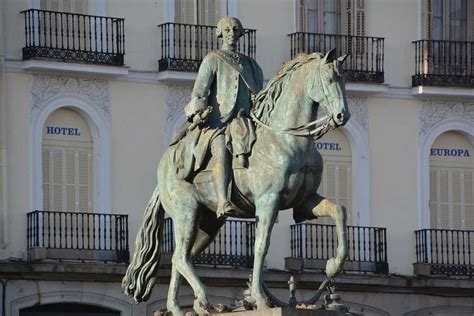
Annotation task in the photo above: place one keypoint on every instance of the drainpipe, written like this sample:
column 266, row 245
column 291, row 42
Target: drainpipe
column 4, row 295
column 3, row 143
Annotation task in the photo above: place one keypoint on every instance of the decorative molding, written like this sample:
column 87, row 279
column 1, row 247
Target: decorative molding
column 178, row 96
column 94, row 91
column 434, row 111
column 359, row 111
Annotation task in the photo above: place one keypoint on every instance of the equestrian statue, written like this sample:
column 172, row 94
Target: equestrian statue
column 243, row 152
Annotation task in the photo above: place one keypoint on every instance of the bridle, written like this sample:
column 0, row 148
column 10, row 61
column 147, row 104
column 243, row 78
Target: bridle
column 305, row 130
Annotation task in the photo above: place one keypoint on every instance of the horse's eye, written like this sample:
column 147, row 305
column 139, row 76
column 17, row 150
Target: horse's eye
column 330, row 81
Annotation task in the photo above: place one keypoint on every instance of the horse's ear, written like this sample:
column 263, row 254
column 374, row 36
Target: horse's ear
column 341, row 59
column 330, row 56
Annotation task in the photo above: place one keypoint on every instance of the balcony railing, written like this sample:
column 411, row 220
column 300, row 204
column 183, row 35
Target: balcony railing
column 77, row 236
column 444, row 251
column 366, row 54
column 73, row 37
column 233, row 245
column 183, row 46
column 443, row 63
column 314, row 244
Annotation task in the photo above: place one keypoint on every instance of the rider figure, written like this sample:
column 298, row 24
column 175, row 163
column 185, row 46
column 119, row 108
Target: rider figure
column 226, row 82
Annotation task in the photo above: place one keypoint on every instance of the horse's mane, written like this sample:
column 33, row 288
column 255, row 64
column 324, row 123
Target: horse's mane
column 265, row 99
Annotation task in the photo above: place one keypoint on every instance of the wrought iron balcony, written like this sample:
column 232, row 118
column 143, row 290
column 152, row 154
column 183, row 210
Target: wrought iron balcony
column 53, row 35
column 444, row 252
column 183, row 46
column 233, row 245
column 366, row 54
column 443, row 63
column 313, row 244
column 77, row 236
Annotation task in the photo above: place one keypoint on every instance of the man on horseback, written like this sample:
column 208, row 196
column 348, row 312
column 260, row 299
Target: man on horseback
column 223, row 91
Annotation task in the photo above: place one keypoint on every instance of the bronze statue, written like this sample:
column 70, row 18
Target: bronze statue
column 275, row 164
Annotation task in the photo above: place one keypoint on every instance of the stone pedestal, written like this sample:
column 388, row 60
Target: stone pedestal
column 290, row 312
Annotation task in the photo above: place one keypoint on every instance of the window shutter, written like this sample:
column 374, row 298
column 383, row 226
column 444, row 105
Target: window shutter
column 57, row 183
column 208, row 12
column 72, row 6
column 84, row 185
column 470, row 21
column 301, row 14
column 46, row 179
column 457, row 221
column 443, row 193
column 70, row 181
column 428, row 18
column 185, row 11
column 433, row 197
column 469, row 199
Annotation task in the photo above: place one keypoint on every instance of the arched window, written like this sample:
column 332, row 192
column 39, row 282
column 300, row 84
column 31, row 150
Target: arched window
column 451, row 182
column 336, row 183
column 67, row 163
column 64, row 309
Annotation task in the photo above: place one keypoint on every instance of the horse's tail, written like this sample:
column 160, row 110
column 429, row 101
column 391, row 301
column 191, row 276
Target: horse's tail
column 141, row 273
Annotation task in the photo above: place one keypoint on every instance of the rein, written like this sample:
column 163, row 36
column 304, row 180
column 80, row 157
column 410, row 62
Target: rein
column 301, row 130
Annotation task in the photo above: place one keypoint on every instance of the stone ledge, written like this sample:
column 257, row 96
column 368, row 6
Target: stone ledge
column 289, row 312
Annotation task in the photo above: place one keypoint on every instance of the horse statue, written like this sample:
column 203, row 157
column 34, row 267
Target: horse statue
column 284, row 171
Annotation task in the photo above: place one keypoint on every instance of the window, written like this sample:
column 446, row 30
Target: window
column 336, row 184
column 332, row 16
column 71, row 6
column 201, row 12
column 449, row 20
column 67, row 163
column 451, row 182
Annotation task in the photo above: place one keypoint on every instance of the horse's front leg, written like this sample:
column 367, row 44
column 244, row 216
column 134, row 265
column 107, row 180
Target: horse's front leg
column 266, row 212
column 320, row 206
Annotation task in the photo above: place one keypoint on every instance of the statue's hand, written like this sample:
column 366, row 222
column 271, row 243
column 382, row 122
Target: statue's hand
column 195, row 106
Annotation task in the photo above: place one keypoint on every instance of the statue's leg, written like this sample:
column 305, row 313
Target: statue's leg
column 320, row 206
column 220, row 172
column 266, row 213
column 186, row 222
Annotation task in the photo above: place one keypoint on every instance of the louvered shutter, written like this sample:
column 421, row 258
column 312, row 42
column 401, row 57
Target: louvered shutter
column 336, row 186
column 46, row 179
column 70, row 186
column 185, row 11
column 208, row 12
column 468, row 180
column 84, row 183
column 71, row 6
column 354, row 25
column 56, row 167
column 433, row 204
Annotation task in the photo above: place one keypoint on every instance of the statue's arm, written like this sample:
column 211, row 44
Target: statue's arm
column 200, row 94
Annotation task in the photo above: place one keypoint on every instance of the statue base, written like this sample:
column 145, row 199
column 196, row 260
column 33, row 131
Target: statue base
column 291, row 312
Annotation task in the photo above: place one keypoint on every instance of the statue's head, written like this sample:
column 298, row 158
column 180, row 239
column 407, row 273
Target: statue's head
column 230, row 23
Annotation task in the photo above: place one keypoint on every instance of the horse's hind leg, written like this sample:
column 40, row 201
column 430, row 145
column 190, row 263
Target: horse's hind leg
column 320, row 206
column 208, row 228
column 186, row 221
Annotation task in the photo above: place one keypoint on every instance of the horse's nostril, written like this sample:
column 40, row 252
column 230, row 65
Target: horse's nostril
column 339, row 116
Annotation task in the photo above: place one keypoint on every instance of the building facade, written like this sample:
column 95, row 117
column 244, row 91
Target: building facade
column 92, row 91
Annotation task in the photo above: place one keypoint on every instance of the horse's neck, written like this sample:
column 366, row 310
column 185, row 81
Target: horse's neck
column 292, row 108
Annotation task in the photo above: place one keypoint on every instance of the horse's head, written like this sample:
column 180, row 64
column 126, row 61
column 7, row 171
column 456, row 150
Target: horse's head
column 327, row 88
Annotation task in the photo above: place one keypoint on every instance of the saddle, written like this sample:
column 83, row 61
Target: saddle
column 191, row 153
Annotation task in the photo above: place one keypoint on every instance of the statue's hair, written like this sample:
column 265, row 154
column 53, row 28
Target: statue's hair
column 265, row 99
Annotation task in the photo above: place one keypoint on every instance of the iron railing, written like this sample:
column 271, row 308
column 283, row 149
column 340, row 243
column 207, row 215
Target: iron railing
column 319, row 241
column 233, row 245
column 183, row 46
column 74, row 37
column 79, row 231
column 448, row 252
column 443, row 63
column 365, row 62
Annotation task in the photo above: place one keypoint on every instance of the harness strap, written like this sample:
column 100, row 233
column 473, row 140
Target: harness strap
column 299, row 130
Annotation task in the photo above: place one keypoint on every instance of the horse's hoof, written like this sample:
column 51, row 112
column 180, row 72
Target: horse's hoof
column 201, row 308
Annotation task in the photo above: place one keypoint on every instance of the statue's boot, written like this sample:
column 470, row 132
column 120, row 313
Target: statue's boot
column 225, row 208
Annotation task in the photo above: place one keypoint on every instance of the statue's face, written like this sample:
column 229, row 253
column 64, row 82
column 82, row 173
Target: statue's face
column 230, row 32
